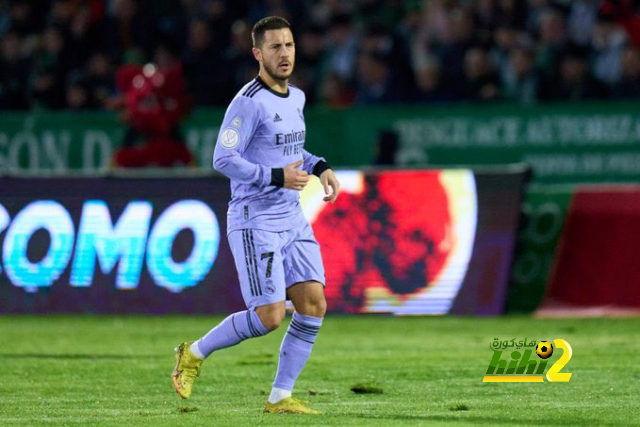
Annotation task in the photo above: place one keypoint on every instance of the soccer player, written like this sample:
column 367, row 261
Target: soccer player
column 261, row 149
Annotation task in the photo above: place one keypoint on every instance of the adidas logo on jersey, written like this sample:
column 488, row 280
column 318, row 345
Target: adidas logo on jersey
column 277, row 118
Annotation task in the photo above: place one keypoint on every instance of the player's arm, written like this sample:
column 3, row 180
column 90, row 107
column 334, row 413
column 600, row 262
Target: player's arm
column 238, row 126
column 240, row 123
column 320, row 168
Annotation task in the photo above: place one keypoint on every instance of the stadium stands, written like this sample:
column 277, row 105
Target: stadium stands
column 62, row 54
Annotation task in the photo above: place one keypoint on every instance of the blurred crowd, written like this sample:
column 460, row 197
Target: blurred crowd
column 63, row 54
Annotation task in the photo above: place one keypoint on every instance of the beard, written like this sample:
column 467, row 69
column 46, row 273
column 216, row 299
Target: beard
column 276, row 74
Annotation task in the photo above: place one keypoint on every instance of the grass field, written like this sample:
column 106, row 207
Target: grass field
column 115, row 371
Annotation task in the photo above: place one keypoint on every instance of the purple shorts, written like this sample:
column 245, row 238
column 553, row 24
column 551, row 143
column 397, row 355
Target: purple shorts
column 270, row 262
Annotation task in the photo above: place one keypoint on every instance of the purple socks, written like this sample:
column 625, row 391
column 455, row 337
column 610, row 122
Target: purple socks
column 231, row 331
column 294, row 351
column 296, row 348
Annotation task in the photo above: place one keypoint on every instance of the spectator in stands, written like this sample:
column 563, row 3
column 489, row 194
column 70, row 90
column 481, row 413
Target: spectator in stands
column 336, row 93
column 221, row 14
column 50, row 71
column 14, row 73
column 5, row 20
column 61, row 15
column 627, row 14
column 435, row 27
column 83, row 35
column 575, row 82
column 481, row 82
column 201, row 61
column 99, row 72
column 322, row 11
column 431, row 31
column 168, row 19
column 505, row 39
column 153, row 97
column 429, row 86
column 486, row 16
column 512, row 12
column 537, row 9
column 552, row 39
column 239, row 59
column 491, row 14
column 452, row 50
column 521, row 82
column 310, row 66
column 24, row 19
column 608, row 42
column 284, row 8
column 409, row 28
column 78, row 95
column 581, row 20
column 379, row 39
column 628, row 87
column 376, row 83
column 128, row 30
column 191, row 9
column 387, row 14
column 343, row 47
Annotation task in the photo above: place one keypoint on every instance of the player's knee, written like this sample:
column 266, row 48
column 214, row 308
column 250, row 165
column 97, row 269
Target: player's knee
column 316, row 307
column 271, row 317
column 272, row 322
column 321, row 308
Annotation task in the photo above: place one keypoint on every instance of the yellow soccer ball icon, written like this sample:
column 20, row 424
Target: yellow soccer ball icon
column 544, row 349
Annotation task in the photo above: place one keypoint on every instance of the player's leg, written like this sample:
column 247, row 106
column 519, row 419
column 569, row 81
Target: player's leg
column 297, row 344
column 258, row 260
column 263, row 289
column 231, row 331
column 305, row 274
column 240, row 326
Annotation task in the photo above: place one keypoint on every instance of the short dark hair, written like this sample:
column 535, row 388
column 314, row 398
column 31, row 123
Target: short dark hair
column 265, row 24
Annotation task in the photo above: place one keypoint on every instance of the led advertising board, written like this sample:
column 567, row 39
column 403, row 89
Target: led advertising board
column 401, row 242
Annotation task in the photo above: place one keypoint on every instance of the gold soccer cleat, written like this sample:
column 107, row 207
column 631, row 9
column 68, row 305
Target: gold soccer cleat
column 186, row 370
column 289, row 405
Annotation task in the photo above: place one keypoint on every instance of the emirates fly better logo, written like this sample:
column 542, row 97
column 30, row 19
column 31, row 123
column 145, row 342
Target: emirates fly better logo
column 526, row 361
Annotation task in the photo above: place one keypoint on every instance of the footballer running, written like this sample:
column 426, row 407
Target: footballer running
column 261, row 149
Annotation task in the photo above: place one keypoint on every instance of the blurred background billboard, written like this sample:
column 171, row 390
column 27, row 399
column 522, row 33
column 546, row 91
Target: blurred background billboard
column 443, row 244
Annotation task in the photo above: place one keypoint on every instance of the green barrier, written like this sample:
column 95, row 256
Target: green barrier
column 590, row 142
column 544, row 213
column 69, row 141
column 86, row 141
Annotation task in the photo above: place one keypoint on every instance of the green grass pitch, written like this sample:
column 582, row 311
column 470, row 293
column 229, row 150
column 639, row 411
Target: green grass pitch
column 90, row 370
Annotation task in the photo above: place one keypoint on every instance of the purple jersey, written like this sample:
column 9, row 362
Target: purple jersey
column 262, row 130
